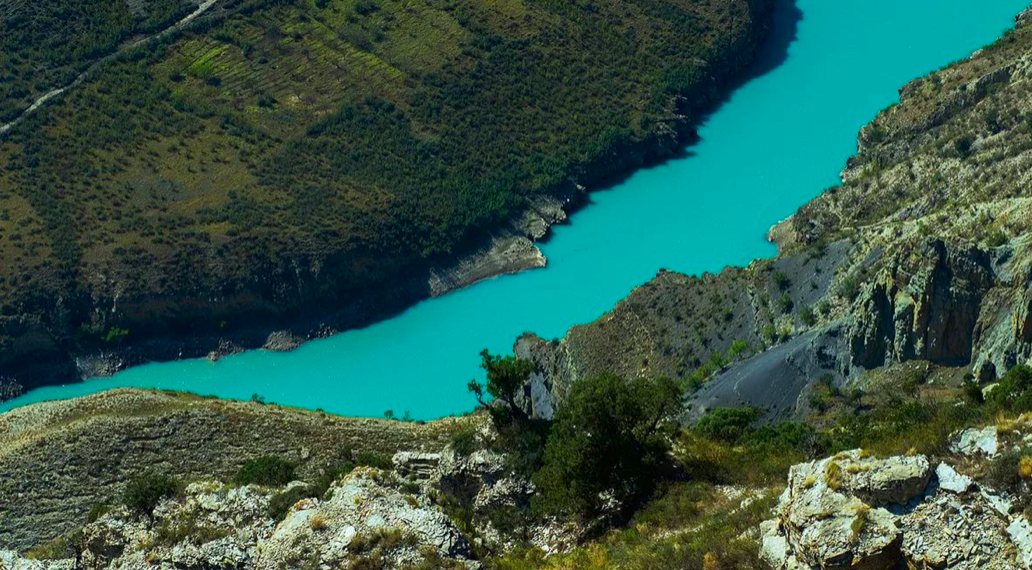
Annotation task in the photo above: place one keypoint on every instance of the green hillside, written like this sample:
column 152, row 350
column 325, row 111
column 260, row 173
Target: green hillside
column 336, row 142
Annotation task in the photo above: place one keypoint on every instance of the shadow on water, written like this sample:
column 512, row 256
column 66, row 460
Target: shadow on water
column 774, row 50
column 769, row 56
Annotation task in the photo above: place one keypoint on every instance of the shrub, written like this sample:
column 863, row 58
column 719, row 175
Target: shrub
column 1013, row 392
column 377, row 460
column 607, row 439
column 727, row 424
column 463, row 440
column 144, row 492
column 266, row 470
column 807, row 316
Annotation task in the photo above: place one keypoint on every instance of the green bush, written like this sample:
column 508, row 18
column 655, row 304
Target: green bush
column 144, row 492
column 266, row 470
column 727, row 424
column 463, row 440
column 281, row 502
column 373, row 459
column 609, row 438
column 1013, row 393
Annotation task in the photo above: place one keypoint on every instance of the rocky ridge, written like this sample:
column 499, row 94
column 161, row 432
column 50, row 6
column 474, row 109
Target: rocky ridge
column 91, row 446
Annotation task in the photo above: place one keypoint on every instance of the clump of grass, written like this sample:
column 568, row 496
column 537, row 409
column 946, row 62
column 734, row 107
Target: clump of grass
column 318, row 522
column 1025, row 467
column 860, row 517
column 833, row 476
column 187, row 526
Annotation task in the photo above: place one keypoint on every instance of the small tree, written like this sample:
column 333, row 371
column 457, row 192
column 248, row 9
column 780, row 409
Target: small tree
column 609, row 439
column 506, row 376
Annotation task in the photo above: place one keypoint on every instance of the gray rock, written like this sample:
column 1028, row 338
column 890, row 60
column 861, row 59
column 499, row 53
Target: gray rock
column 974, row 441
column 829, row 518
column 950, row 480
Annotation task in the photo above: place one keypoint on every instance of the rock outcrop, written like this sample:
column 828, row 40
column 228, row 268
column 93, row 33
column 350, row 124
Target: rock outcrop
column 366, row 516
column 853, row 511
column 99, row 442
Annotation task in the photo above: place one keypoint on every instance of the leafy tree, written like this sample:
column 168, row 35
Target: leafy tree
column 506, row 376
column 610, row 438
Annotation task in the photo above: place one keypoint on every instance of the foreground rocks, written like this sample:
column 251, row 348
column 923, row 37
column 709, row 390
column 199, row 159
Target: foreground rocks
column 852, row 511
column 60, row 459
column 365, row 517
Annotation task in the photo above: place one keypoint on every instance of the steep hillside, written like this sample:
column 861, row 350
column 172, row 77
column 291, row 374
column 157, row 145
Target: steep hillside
column 312, row 164
column 923, row 253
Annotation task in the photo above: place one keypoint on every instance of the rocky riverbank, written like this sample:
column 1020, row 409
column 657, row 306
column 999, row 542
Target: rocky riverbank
column 921, row 254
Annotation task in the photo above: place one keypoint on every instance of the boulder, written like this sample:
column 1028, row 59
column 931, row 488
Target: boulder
column 854, row 512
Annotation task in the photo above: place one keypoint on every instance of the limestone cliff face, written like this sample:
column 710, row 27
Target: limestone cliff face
column 922, row 307
column 921, row 254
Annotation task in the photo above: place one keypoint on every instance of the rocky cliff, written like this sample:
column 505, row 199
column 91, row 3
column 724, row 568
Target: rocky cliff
column 922, row 253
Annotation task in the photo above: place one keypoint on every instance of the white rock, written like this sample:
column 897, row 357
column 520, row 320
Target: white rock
column 974, row 441
column 950, row 480
column 1021, row 535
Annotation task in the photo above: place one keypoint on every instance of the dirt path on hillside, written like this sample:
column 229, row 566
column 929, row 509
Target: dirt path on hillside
column 55, row 93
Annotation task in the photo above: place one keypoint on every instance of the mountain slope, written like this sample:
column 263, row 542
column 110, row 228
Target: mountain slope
column 307, row 163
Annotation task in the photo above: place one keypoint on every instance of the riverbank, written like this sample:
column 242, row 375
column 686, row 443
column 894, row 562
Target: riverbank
column 919, row 257
column 295, row 305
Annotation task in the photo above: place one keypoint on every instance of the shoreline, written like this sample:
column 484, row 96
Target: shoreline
column 510, row 249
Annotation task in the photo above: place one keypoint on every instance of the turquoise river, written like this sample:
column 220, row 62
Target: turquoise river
column 778, row 140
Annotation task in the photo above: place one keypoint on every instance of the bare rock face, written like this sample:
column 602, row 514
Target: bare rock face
column 362, row 512
column 851, row 511
column 922, row 307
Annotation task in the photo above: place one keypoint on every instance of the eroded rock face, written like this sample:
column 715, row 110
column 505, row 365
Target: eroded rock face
column 924, row 306
column 856, row 512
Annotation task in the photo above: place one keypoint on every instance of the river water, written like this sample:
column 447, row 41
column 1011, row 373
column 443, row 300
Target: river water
column 778, row 141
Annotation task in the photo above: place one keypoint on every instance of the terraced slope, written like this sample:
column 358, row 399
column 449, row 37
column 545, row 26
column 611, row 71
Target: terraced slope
column 306, row 162
column 922, row 254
